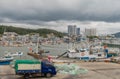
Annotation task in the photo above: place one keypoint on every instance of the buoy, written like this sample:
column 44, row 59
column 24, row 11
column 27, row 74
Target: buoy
column 30, row 49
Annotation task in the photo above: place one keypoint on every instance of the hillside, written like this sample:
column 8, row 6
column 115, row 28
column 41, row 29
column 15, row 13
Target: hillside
column 43, row 32
column 117, row 35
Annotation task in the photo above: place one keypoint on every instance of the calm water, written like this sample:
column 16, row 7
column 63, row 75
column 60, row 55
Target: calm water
column 5, row 50
column 54, row 50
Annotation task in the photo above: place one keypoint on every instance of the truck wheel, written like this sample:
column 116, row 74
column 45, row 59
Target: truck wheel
column 42, row 74
column 26, row 76
column 48, row 75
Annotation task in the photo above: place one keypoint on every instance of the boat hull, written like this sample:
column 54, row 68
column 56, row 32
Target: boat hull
column 5, row 62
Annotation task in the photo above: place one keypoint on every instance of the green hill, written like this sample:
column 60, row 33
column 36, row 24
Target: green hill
column 22, row 31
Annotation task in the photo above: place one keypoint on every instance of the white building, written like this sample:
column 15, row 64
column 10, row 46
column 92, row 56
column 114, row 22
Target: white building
column 90, row 31
column 9, row 36
column 34, row 37
column 71, row 30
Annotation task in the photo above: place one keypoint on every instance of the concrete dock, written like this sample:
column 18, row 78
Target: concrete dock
column 7, row 72
column 97, row 70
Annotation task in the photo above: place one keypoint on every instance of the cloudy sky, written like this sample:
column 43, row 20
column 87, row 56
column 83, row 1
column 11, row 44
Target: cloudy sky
column 57, row 14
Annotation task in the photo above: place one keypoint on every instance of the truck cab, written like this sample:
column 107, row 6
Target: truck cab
column 48, row 68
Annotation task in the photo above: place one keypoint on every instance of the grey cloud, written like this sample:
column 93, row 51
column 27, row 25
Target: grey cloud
column 57, row 14
column 53, row 10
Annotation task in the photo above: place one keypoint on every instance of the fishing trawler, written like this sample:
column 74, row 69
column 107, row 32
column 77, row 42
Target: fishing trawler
column 37, row 53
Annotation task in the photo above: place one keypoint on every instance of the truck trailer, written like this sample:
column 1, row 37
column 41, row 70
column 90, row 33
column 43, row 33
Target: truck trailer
column 33, row 68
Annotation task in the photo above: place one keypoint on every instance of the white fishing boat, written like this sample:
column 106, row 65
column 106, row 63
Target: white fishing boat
column 73, row 53
column 9, row 54
column 14, row 54
column 6, row 58
column 84, row 54
column 19, row 53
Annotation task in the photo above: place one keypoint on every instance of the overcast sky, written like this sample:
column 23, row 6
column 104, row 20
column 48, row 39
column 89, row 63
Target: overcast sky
column 57, row 14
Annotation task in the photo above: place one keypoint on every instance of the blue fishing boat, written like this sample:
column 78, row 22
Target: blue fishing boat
column 5, row 60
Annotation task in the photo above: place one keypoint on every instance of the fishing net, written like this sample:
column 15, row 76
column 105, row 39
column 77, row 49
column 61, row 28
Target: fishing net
column 72, row 69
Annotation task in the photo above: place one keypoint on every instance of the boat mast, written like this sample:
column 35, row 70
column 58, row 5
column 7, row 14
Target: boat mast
column 37, row 50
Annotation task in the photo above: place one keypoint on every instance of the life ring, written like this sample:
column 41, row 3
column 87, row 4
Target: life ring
column 82, row 54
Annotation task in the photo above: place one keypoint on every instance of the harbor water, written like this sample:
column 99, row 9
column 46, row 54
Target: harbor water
column 53, row 49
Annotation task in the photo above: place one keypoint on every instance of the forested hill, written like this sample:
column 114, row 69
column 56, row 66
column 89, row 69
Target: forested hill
column 23, row 31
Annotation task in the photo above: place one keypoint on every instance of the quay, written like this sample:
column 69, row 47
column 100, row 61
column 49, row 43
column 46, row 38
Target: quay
column 96, row 70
